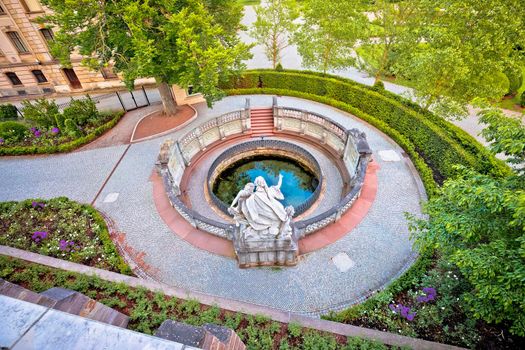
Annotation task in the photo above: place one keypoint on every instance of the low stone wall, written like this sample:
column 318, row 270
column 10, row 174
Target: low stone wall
column 350, row 145
column 263, row 147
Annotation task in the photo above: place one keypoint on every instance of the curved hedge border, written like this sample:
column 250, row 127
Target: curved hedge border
column 438, row 142
column 65, row 147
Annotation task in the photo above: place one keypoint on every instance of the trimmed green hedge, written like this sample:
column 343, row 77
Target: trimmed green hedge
column 65, row 147
column 440, row 144
column 424, row 171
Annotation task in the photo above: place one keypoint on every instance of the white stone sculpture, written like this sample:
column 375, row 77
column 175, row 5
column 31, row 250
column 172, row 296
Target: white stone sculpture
column 259, row 214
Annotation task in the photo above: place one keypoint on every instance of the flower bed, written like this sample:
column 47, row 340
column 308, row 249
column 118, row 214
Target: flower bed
column 44, row 129
column 60, row 228
column 148, row 310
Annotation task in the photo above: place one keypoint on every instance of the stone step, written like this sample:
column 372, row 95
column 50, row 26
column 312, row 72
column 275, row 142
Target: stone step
column 15, row 291
column 79, row 304
column 207, row 337
column 67, row 301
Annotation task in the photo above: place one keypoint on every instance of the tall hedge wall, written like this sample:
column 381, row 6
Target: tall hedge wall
column 440, row 143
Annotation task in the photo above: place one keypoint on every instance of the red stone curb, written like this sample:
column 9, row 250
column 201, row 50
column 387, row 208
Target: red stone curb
column 348, row 220
column 308, row 244
column 230, row 304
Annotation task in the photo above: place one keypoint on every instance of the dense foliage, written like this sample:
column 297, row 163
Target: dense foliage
column 441, row 144
column 8, row 111
column 330, row 29
column 147, row 310
column 62, row 229
column 52, row 130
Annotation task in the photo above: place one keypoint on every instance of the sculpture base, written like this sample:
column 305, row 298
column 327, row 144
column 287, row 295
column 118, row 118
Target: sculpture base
column 265, row 252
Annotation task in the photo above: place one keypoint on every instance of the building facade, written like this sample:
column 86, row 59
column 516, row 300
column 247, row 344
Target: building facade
column 26, row 66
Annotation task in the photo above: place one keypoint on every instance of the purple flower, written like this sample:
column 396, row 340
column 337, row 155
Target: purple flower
column 39, row 236
column 1, row 141
column 66, row 246
column 55, row 130
column 430, row 294
column 33, row 129
column 37, row 133
column 37, row 205
column 403, row 311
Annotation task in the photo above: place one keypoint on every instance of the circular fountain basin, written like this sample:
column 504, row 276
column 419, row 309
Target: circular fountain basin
column 298, row 184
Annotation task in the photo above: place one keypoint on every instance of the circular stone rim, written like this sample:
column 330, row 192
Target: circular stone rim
column 240, row 150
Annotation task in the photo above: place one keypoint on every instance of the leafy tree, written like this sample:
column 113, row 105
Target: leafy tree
column 390, row 18
column 174, row 41
column 330, row 30
column 274, row 27
column 506, row 135
column 478, row 223
column 453, row 51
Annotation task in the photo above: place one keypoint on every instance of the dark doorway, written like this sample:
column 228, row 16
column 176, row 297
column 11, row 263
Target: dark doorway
column 72, row 77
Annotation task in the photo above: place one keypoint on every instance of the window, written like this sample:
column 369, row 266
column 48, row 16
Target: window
column 17, row 42
column 107, row 73
column 47, row 34
column 14, row 78
column 31, row 5
column 2, row 11
column 40, row 77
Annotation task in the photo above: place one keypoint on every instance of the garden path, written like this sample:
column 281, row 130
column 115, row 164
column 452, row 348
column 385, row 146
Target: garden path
column 378, row 249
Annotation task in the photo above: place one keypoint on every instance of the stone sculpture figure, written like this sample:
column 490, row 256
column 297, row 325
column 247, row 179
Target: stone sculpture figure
column 260, row 214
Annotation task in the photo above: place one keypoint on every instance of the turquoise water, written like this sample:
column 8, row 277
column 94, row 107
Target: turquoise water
column 297, row 186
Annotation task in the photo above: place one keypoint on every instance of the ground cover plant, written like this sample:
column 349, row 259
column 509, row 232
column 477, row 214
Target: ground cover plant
column 60, row 228
column 46, row 129
column 147, row 310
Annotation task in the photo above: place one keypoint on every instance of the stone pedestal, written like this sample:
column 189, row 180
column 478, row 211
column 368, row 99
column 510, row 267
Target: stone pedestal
column 265, row 252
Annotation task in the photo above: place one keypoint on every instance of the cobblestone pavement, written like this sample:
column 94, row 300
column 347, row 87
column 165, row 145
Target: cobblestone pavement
column 379, row 247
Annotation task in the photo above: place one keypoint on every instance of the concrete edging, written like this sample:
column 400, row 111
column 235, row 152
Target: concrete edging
column 229, row 304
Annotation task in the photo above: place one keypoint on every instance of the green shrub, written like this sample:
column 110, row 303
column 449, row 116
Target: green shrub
column 515, row 81
column 12, row 131
column 71, row 128
column 378, row 85
column 522, row 100
column 279, row 67
column 439, row 143
column 8, row 111
column 82, row 111
column 64, row 147
column 42, row 113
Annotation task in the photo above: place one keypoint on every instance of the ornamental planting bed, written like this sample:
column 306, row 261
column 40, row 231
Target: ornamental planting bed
column 60, row 228
column 147, row 310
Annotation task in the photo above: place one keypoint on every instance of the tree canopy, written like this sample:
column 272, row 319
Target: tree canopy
column 176, row 42
column 456, row 50
column 275, row 26
column 329, row 33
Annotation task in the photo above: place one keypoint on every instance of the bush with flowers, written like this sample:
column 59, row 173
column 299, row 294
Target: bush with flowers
column 45, row 129
column 60, row 228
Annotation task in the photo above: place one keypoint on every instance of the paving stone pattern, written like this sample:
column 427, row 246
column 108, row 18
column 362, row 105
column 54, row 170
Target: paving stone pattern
column 379, row 245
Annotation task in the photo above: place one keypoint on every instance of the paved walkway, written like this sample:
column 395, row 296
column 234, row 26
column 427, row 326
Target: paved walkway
column 378, row 248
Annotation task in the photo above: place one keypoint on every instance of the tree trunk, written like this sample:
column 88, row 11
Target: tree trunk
column 168, row 102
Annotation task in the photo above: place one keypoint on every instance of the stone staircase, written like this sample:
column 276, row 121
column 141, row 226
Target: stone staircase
column 67, row 301
column 261, row 121
column 59, row 300
column 209, row 336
